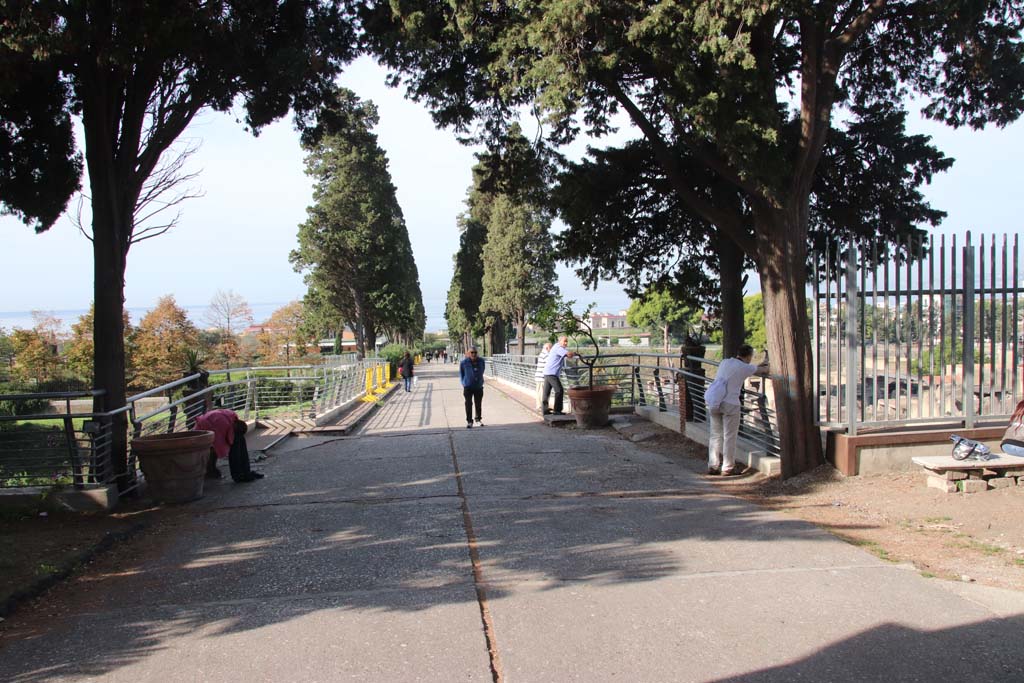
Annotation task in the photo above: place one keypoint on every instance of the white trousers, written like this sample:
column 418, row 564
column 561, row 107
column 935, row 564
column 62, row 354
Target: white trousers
column 725, row 425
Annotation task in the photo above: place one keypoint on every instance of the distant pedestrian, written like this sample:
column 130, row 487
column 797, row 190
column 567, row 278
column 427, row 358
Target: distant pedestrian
column 552, row 369
column 538, row 375
column 471, row 374
column 405, row 367
column 723, row 402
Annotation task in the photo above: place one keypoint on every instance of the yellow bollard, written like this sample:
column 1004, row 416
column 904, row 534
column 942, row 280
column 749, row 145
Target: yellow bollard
column 369, row 396
column 381, row 389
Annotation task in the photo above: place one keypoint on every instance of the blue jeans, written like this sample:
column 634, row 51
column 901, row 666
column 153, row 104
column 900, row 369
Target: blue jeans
column 408, row 383
column 1010, row 449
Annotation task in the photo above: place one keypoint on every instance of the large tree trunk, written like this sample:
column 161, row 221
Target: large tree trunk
column 782, row 251
column 498, row 338
column 730, row 268
column 113, row 202
column 108, row 334
column 521, row 326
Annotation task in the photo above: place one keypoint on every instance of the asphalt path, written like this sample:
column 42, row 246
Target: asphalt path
column 418, row 550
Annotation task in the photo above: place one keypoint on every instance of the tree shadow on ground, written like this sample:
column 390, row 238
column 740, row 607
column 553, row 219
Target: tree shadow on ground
column 377, row 524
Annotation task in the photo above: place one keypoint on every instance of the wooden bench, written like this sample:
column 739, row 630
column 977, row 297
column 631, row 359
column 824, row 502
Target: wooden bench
column 970, row 476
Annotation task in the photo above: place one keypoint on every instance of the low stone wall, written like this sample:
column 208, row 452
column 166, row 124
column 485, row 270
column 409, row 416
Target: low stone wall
column 881, row 452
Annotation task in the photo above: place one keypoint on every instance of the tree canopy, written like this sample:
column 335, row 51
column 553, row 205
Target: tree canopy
column 660, row 310
column 512, row 172
column 354, row 245
column 162, row 339
column 751, row 92
column 519, row 263
column 136, row 74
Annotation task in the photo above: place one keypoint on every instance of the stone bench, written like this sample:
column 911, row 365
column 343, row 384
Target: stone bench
column 971, row 476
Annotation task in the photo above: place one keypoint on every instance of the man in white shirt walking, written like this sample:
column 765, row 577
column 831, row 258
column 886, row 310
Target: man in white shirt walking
column 723, row 401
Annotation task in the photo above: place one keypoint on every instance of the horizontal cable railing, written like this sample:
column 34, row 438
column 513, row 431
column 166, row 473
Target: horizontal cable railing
column 46, row 449
column 655, row 380
column 38, row 448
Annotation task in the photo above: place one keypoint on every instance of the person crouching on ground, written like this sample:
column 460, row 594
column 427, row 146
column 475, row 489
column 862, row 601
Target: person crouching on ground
column 228, row 441
column 471, row 374
column 723, row 401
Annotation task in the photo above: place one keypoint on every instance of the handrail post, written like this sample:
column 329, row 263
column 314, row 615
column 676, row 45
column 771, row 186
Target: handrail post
column 968, row 349
column 851, row 340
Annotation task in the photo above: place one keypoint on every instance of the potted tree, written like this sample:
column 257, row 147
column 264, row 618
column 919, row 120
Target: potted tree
column 174, row 463
column 591, row 403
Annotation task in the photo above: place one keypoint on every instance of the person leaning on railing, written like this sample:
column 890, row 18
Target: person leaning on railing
column 722, row 399
column 552, row 368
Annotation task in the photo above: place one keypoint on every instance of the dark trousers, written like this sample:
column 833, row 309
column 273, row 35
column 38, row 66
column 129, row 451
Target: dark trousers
column 238, row 456
column 473, row 395
column 552, row 382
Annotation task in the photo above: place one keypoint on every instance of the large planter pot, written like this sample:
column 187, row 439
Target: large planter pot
column 174, row 464
column 590, row 407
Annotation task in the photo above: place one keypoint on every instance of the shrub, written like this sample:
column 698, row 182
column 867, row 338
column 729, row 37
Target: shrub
column 31, row 406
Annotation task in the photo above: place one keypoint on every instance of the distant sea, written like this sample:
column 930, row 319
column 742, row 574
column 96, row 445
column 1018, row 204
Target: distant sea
column 10, row 320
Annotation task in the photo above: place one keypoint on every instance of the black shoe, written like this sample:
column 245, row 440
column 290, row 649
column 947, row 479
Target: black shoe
column 545, row 412
column 714, row 471
column 257, row 475
column 469, row 425
column 558, row 412
column 214, row 474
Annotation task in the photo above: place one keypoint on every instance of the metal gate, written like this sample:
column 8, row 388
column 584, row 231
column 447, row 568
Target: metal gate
column 930, row 332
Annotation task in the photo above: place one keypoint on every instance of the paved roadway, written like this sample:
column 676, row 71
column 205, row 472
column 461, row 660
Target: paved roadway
column 418, row 550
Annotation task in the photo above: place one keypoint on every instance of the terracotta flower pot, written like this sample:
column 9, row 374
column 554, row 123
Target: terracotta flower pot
column 590, row 407
column 174, row 464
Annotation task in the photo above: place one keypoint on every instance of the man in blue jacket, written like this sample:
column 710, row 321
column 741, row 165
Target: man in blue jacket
column 471, row 374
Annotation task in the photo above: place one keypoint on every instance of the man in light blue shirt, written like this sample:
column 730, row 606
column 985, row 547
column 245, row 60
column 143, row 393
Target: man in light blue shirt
column 553, row 367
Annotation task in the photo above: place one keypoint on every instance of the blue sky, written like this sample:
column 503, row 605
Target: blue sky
column 238, row 235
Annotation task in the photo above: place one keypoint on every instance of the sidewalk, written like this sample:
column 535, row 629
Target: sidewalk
column 418, row 550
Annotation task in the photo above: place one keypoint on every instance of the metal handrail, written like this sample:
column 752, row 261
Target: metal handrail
column 758, row 424
column 91, row 393
column 86, row 450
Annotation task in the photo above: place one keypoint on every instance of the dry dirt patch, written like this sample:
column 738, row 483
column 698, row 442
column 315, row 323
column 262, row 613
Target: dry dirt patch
column 39, row 548
column 977, row 537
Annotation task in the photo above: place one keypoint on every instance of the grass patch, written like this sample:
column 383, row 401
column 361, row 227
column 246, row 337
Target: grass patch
column 987, row 548
column 977, row 546
column 928, row 575
column 870, row 546
column 937, row 520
